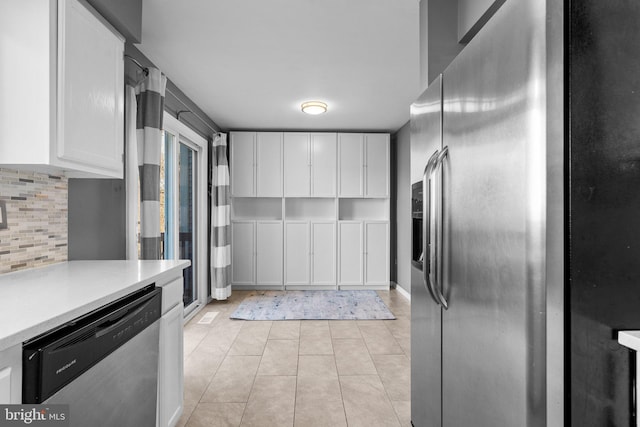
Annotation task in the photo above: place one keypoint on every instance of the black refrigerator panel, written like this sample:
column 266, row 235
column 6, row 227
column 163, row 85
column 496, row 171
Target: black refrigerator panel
column 603, row 84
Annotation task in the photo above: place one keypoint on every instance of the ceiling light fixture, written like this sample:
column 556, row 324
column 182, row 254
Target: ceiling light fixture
column 314, row 107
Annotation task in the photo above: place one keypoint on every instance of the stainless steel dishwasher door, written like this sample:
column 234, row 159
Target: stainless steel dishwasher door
column 120, row 390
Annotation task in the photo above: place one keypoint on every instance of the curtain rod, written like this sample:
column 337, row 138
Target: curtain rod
column 145, row 70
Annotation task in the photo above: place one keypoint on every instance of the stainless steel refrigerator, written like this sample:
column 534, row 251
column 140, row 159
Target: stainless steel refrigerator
column 481, row 128
column 526, row 243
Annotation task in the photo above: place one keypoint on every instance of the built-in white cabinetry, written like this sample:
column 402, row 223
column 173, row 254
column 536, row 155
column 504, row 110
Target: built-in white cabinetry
column 310, row 253
column 309, row 164
column 256, row 164
column 256, row 252
column 11, row 375
column 363, row 253
column 331, row 227
column 363, row 165
column 62, row 100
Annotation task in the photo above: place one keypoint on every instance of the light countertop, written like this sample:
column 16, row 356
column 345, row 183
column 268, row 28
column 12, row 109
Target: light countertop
column 630, row 339
column 34, row 301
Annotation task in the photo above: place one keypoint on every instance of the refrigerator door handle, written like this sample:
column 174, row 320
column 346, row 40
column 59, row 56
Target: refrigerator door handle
column 439, row 173
column 427, row 203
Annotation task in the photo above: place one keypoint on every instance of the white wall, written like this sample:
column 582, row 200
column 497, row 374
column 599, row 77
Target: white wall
column 403, row 207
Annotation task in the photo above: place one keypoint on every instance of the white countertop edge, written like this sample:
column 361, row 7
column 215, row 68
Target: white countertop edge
column 23, row 329
column 630, row 339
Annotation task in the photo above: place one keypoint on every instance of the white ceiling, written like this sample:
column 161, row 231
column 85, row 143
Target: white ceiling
column 249, row 64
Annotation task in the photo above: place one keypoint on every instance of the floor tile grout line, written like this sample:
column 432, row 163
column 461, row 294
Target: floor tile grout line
column 256, row 374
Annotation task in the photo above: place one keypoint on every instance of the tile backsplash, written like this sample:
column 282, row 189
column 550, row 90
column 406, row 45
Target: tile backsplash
column 36, row 205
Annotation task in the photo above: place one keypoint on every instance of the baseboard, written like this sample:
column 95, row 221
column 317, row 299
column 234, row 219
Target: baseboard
column 257, row 287
column 364, row 288
column 402, row 291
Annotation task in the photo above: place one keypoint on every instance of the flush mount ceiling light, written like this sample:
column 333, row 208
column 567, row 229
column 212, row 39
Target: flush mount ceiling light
column 314, row 107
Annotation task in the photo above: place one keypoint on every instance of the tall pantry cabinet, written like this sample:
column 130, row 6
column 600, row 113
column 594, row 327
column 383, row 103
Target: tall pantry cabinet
column 310, row 210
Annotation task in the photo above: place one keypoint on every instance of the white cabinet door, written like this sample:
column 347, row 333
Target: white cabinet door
column 269, row 164
column 376, row 165
column 243, row 164
column 242, row 252
column 268, row 253
column 296, row 165
column 90, row 91
column 350, row 164
column 376, row 262
column 323, row 253
column 350, row 251
column 297, row 248
column 11, row 375
column 170, row 368
column 5, row 385
column 323, row 165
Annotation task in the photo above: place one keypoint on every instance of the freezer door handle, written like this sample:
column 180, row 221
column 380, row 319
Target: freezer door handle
column 428, row 200
column 439, row 174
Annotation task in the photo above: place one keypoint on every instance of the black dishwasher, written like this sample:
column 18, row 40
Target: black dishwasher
column 103, row 364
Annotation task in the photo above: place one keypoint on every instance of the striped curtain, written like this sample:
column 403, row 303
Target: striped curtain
column 220, row 221
column 149, row 134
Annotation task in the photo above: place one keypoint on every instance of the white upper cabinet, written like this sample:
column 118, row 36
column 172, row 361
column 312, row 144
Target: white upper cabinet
column 323, row 164
column 243, row 178
column 62, row 103
column 297, row 165
column 363, row 165
column 351, row 164
column 269, row 164
column 376, row 165
column 309, row 165
column 256, row 164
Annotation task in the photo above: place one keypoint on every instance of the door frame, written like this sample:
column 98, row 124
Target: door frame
column 193, row 140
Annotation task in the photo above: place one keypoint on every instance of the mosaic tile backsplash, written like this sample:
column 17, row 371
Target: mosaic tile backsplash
column 37, row 220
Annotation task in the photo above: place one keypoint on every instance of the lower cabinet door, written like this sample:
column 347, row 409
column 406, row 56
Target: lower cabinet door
column 376, row 258
column 297, row 248
column 268, row 253
column 350, row 253
column 243, row 252
column 323, row 253
column 170, row 368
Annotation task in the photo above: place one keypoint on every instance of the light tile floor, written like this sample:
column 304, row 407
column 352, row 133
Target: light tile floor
column 298, row 373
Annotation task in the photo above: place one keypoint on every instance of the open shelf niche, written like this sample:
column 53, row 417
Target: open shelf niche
column 310, row 208
column 363, row 209
column 256, row 208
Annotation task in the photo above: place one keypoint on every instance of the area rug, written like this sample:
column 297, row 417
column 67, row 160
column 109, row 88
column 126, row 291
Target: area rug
column 313, row 305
